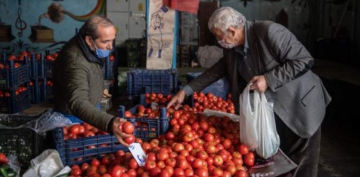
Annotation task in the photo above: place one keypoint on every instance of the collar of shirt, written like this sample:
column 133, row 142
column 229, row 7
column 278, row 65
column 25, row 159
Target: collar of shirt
column 243, row 50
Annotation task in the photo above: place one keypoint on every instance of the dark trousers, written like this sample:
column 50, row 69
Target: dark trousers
column 302, row 151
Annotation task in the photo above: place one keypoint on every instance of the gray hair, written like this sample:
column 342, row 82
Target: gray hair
column 90, row 27
column 225, row 17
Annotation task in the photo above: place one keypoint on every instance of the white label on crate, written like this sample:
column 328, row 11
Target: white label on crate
column 138, row 153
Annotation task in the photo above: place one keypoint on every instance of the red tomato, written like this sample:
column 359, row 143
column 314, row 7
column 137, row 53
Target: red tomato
column 249, row 159
column 76, row 172
column 218, row 160
column 84, row 166
column 162, row 156
column 217, row 172
column 127, row 114
column 241, row 173
column 156, row 171
column 179, row 172
column 132, row 173
column 165, row 173
column 133, row 164
column 116, row 171
column 74, row 129
column 243, row 149
column 226, row 143
column 130, row 139
column 3, row 159
column 208, row 137
column 105, row 160
column 89, row 134
column 95, row 162
column 128, row 127
column 202, row 172
column 150, row 164
column 7, row 94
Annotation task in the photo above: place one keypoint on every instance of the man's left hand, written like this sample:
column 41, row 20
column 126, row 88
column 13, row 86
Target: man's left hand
column 258, row 83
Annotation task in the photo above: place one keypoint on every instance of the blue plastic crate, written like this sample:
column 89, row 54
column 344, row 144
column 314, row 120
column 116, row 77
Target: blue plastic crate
column 220, row 88
column 83, row 150
column 49, row 96
column 15, row 103
column 35, row 66
column 146, row 128
column 35, row 93
column 147, row 81
column 108, row 69
column 45, row 68
column 25, row 143
column 13, row 77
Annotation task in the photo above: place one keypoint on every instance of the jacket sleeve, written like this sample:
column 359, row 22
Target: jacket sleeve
column 293, row 57
column 79, row 103
column 211, row 75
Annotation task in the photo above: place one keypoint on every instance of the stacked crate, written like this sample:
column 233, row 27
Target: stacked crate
column 14, row 76
column 41, row 68
column 141, row 81
column 35, row 82
column 46, row 70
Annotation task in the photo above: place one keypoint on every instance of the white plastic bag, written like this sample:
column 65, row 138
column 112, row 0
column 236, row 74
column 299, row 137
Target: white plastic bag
column 248, row 131
column 269, row 140
column 47, row 164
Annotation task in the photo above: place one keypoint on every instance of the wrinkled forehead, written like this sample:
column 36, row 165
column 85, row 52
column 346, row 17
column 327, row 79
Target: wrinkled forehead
column 217, row 33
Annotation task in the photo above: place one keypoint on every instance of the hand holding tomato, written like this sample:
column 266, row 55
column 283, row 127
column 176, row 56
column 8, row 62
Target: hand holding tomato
column 120, row 135
column 177, row 99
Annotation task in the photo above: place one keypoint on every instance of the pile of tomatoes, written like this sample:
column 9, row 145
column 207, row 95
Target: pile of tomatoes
column 82, row 130
column 194, row 146
column 210, row 101
column 7, row 94
column 148, row 112
column 157, row 98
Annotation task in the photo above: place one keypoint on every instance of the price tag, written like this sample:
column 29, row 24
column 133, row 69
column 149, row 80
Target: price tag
column 138, row 153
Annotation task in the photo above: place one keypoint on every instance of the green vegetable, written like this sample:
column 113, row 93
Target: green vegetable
column 7, row 171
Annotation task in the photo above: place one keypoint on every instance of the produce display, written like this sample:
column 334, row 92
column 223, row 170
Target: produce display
column 194, row 145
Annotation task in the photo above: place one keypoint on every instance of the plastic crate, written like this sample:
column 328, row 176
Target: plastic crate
column 35, row 94
column 146, row 128
column 47, row 93
column 13, row 77
column 220, row 88
column 108, row 69
column 156, row 81
column 35, row 65
column 25, row 143
column 45, row 68
column 83, row 150
column 15, row 103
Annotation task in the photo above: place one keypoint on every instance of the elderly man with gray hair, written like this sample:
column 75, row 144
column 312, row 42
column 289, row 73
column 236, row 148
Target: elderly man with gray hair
column 270, row 57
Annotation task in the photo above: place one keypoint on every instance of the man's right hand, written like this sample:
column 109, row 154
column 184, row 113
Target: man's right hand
column 116, row 131
column 177, row 99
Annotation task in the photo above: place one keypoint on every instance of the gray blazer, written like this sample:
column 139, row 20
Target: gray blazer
column 299, row 96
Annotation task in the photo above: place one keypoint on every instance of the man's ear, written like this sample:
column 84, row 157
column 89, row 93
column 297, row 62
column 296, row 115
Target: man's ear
column 89, row 42
column 231, row 31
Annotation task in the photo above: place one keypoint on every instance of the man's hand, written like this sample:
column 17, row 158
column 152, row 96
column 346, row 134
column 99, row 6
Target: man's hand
column 258, row 83
column 106, row 94
column 116, row 131
column 177, row 99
